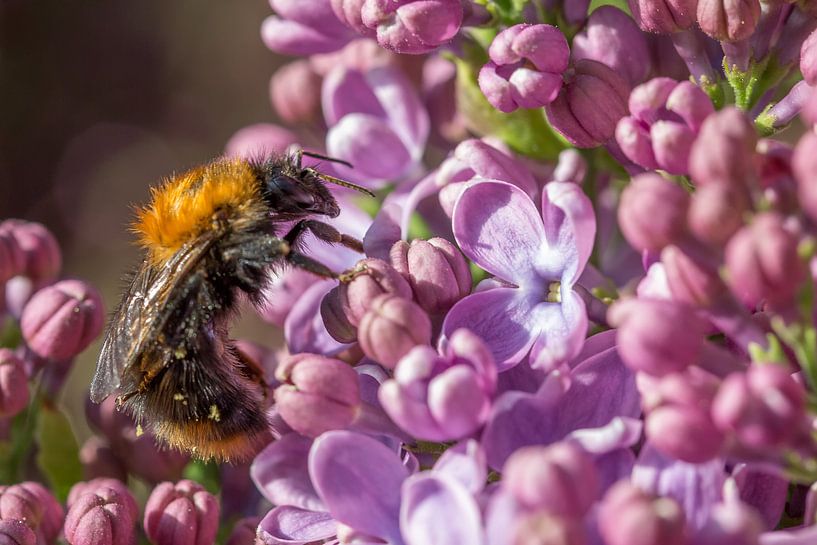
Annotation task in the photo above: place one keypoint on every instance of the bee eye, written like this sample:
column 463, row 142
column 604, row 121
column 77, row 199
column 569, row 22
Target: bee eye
column 288, row 193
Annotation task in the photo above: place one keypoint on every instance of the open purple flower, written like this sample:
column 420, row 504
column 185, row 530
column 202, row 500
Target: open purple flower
column 538, row 258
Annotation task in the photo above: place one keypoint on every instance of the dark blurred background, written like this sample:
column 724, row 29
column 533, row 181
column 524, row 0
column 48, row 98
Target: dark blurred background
column 101, row 99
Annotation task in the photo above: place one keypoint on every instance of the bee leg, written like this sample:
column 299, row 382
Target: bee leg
column 308, row 264
column 323, row 231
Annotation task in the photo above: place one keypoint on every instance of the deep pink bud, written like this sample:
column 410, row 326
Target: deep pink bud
column 16, row 532
column 43, row 258
column 317, row 394
column 649, row 338
column 732, row 523
column 375, row 277
column 629, row 516
column 804, row 165
column 725, row 149
column 244, row 531
column 12, row 257
column 560, row 479
column 592, row 100
column 763, row 262
column 391, row 327
column 85, row 487
column 691, row 282
column 664, row 16
column 764, row 407
column 295, row 91
column 33, row 503
column 334, row 317
column 62, row 319
column 412, row 26
column 104, row 516
column 304, row 27
column 14, row 394
column 808, row 59
column 526, row 67
column 728, row 20
column 652, row 212
column 435, row 269
column 348, row 12
column 181, row 514
column 716, row 213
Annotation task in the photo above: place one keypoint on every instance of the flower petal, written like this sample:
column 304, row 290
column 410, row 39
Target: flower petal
column 501, row 317
column 563, row 329
column 619, row 433
column 370, row 145
column 800, row 536
column 570, row 229
column 465, row 463
column 384, row 232
column 497, row 226
column 345, row 92
column 765, row 491
column 280, row 473
column 359, row 480
column 286, row 525
column 439, row 511
column 406, row 113
column 304, row 328
column 292, row 38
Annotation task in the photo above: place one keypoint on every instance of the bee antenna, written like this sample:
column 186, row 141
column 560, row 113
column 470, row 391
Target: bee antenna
column 326, row 158
column 344, row 183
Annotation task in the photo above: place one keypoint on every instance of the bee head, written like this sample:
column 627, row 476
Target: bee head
column 298, row 192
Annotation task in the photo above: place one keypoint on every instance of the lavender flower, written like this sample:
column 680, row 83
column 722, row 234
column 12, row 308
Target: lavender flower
column 303, row 28
column 412, row 26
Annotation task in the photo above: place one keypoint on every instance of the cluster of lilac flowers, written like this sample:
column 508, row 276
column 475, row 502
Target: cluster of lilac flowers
column 585, row 314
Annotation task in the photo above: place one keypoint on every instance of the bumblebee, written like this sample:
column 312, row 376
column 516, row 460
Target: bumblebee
column 209, row 235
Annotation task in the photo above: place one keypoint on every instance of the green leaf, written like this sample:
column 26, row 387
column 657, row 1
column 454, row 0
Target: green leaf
column 620, row 4
column 526, row 131
column 204, row 473
column 58, row 453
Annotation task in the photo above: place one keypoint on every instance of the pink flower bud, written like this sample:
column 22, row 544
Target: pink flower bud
column 147, row 460
column 691, row 282
column 34, row 504
column 14, row 394
column 764, row 407
column 716, row 213
column 629, row 516
column 592, row 100
column 652, row 212
column 244, row 531
column 181, row 514
column 808, row 59
column 99, row 460
column 804, row 165
column 412, row 26
column 295, row 91
column 732, row 523
column 436, row 271
column 117, row 485
column 663, row 16
column 334, row 317
column 62, row 319
column 728, row 20
column 763, row 262
column 526, row 66
column 43, row 258
column 724, row 150
column 101, row 517
column 348, row 12
column 12, row 257
column 317, row 394
column 376, row 277
column 560, row 479
column 391, row 327
column 649, row 338
column 16, row 532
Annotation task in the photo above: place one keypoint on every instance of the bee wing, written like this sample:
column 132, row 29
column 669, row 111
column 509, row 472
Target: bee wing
column 141, row 315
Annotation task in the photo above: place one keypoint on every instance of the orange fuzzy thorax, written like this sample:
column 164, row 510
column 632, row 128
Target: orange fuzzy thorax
column 185, row 206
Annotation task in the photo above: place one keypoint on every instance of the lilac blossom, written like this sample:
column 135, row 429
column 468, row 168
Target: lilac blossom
column 304, row 27
column 537, row 259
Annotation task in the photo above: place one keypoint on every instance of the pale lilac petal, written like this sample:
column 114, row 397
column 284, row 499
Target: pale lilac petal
column 800, row 536
column 497, row 226
column 486, row 161
column 697, row 487
column 371, row 145
column 383, row 233
column 292, row 38
column 532, row 89
column 502, row 317
column 619, row 433
column 406, row 113
column 412, row 415
column 439, row 511
column 497, row 90
column 304, row 328
column 500, row 516
column 344, row 92
column 563, row 330
column 465, row 463
column 312, row 13
column 280, row 473
column 596, row 344
column 286, row 525
column 359, row 480
column 570, row 229
column 455, row 401
column 765, row 491
column 613, row 467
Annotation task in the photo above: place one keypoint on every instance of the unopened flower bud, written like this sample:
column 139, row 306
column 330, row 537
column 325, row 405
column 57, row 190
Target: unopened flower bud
column 728, row 20
column 117, row 485
column 244, row 531
column 663, row 16
column 62, row 319
column 99, row 460
column 317, row 394
column 653, row 211
column 334, row 318
column 526, row 66
column 572, row 167
column 592, row 100
column 295, row 91
column 804, row 165
column 33, row 503
column 43, row 258
column 764, row 407
column 412, row 26
column 723, row 152
column 12, row 258
column 732, row 523
column 560, row 479
column 436, row 271
column 104, row 516
column 181, row 514
column 391, row 327
column 716, row 213
column 649, row 338
column 375, row 277
column 763, row 262
column 14, row 394
column 629, row 516
column 16, row 532
column 808, row 59
column 689, row 281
